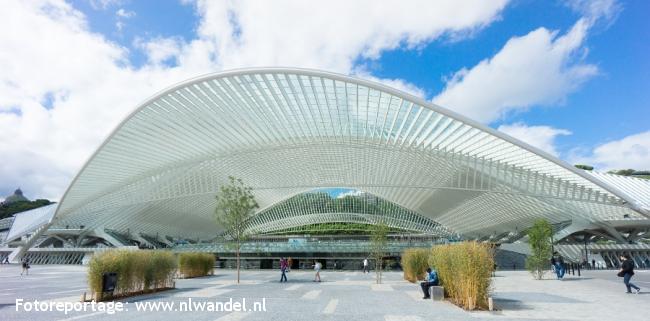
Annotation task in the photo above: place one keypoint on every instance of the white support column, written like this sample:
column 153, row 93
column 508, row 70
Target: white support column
column 20, row 251
column 612, row 232
column 101, row 233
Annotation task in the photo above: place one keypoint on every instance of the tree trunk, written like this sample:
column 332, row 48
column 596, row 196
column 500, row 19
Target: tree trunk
column 238, row 263
column 378, row 275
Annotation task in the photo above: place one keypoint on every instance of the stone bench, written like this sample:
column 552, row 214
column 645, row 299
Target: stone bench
column 437, row 293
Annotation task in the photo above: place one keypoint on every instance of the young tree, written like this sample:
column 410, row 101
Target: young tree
column 539, row 238
column 235, row 206
column 378, row 246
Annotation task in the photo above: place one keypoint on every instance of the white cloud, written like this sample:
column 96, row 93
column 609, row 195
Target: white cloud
column 125, row 13
column 47, row 50
column 104, row 4
column 538, row 68
column 90, row 81
column 332, row 36
column 632, row 151
column 542, row 137
column 159, row 50
column 122, row 15
column 400, row 84
column 594, row 10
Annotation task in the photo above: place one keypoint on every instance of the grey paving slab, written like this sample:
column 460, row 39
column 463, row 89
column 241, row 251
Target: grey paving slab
column 341, row 296
column 596, row 295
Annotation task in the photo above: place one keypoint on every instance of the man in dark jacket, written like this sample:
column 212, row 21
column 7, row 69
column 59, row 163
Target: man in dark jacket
column 627, row 270
column 430, row 280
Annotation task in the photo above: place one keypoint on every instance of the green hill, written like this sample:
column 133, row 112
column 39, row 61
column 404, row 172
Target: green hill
column 7, row 210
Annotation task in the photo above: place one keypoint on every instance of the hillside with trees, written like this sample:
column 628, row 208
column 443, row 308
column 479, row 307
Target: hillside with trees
column 9, row 209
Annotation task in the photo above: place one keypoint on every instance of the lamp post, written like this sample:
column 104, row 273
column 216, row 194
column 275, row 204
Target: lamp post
column 552, row 244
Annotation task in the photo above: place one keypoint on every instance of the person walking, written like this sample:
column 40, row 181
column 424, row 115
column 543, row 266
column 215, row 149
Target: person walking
column 431, row 279
column 283, row 267
column 558, row 265
column 365, row 266
column 26, row 266
column 627, row 271
column 317, row 267
column 554, row 265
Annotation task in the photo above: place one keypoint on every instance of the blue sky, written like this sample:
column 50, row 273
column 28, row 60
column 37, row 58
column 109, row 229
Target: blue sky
column 609, row 105
column 570, row 77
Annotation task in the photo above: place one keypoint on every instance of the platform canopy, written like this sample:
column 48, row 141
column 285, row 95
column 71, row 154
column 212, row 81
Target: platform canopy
column 286, row 132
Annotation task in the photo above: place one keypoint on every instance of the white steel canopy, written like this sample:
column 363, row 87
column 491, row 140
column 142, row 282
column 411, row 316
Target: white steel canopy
column 289, row 131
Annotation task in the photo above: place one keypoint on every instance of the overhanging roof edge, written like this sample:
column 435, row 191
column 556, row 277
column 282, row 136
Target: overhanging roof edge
column 370, row 84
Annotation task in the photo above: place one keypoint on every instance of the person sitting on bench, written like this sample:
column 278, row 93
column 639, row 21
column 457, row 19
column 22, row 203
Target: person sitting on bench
column 430, row 280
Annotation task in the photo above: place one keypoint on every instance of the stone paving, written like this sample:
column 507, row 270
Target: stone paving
column 596, row 295
column 343, row 295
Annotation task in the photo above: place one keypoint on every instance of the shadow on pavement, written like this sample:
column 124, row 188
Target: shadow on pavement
column 510, row 304
column 534, row 297
column 575, row 279
column 300, row 281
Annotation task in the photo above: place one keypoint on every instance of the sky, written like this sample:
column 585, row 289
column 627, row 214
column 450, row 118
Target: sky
column 570, row 77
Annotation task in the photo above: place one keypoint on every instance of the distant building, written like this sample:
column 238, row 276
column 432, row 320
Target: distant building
column 16, row 197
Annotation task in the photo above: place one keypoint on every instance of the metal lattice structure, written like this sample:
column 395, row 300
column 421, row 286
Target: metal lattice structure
column 637, row 189
column 321, row 207
column 289, row 131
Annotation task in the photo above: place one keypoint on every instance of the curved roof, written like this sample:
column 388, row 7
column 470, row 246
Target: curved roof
column 349, row 206
column 638, row 189
column 287, row 131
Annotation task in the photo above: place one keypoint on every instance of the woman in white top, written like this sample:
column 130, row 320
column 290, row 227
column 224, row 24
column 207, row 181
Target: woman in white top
column 317, row 267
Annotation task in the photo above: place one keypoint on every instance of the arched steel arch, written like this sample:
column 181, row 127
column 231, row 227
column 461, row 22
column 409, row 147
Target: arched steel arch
column 286, row 131
column 320, row 207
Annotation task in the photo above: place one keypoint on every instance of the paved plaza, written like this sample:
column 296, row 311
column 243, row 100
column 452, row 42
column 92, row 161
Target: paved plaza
column 343, row 295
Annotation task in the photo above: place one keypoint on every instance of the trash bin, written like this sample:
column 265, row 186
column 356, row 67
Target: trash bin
column 109, row 282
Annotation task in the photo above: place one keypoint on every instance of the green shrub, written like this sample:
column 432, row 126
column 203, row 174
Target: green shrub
column 465, row 270
column 137, row 271
column 195, row 264
column 414, row 263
